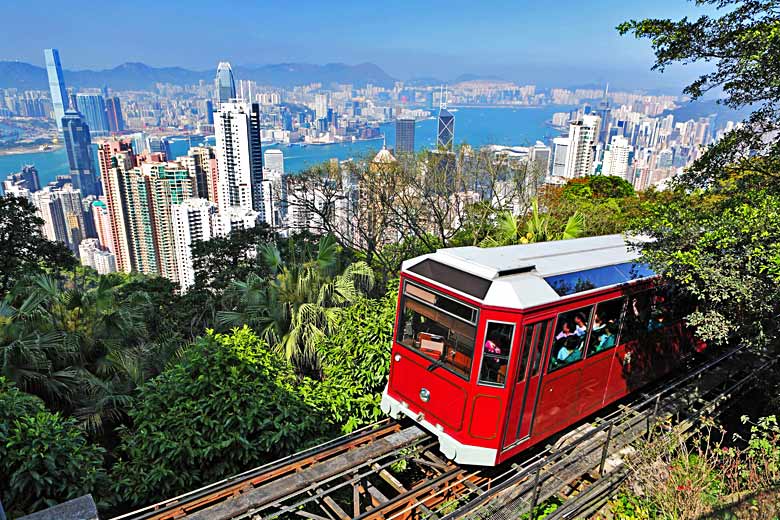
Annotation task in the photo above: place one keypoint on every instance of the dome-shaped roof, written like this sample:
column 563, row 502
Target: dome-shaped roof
column 384, row 157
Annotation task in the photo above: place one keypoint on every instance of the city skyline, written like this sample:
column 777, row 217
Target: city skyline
column 437, row 42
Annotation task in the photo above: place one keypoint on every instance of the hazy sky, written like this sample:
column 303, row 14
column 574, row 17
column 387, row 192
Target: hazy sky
column 560, row 41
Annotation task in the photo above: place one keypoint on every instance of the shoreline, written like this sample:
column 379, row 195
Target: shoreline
column 29, row 150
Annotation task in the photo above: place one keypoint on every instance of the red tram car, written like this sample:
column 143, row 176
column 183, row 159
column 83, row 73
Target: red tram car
column 497, row 349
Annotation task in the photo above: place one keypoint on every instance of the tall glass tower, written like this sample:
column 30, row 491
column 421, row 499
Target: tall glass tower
column 224, row 83
column 404, row 135
column 446, row 131
column 59, row 96
column 93, row 108
column 78, row 144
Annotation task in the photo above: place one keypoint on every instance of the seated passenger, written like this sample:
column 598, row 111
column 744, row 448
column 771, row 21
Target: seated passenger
column 581, row 325
column 563, row 353
column 605, row 340
column 491, row 346
column 565, row 331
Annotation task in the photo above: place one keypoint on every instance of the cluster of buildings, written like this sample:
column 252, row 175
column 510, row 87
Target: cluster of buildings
column 634, row 141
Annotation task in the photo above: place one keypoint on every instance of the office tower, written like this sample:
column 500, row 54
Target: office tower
column 616, row 157
column 206, row 110
column 224, row 83
column 274, row 160
column 201, row 162
column 539, row 157
column 93, row 109
column 102, row 220
column 116, row 159
column 116, row 122
column 560, row 153
column 239, row 156
column 158, row 145
column 59, row 96
column 445, row 135
column 583, row 134
column 78, row 144
column 27, row 179
column 404, row 135
column 193, row 220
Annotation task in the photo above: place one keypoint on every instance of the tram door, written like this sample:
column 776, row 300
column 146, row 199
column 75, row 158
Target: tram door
column 527, row 382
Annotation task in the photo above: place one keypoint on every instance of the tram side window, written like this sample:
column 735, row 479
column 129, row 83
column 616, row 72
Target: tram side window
column 637, row 321
column 533, row 352
column 437, row 335
column 495, row 353
column 570, row 333
column 605, row 326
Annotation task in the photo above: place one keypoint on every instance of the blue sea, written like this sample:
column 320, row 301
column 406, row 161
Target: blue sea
column 475, row 126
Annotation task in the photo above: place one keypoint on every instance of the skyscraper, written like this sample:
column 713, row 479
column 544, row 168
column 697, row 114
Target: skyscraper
column 539, row 157
column 224, row 83
column 59, row 96
column 93, row 109
column 446, row 128
column 78, row 144
column 404, row 135
column 239, row 156
column 200, row 161
column 116, row 159
column 27, row 179
column 583, row 135
column 102, row 220
column 321, row 106
column 116, row 122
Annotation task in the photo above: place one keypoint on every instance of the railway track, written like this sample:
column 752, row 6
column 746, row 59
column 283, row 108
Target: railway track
column 393, row 471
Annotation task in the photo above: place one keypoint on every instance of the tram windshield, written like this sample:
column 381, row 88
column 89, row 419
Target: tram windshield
column 439, row 328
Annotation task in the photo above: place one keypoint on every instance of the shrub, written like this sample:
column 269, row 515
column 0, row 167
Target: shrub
column 229, row 405
column 44, row 458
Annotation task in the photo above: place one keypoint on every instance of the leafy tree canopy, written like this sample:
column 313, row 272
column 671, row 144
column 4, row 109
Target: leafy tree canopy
column 45, row 458
column 23, row 248
column 229, row 405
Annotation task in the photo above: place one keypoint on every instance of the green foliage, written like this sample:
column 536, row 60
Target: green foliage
column 627, row 506
column 23, row 249
column 356, row 360
column 44, row 458
column 599, row 187
column 538, row 228
column 229, row 405
column 298, row 306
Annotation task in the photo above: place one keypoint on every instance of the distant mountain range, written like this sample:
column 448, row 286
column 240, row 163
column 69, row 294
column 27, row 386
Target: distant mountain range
column 138, row 76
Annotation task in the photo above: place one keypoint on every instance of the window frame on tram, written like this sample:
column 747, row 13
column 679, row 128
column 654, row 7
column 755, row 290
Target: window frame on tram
column 484, row 354
column 618, row 327
column 475, row 312
column 553, row 364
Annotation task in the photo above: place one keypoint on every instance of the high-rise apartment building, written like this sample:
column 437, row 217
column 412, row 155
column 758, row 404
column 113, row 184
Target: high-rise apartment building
column 539, row 157
column 102, row 220
column 116, row 159
column 62, row 214
column 321, row 106
column 93, row 109
column 239, row 156
column 616, row 157
column 150, row 191
column 404, row 135
column 560, row 153
column 224, row 83
column 59, row 96
column 201, row 162
column 92, row 255
column 78, row 144
column 583, row 135
column 274, row 160
column 116, row 122
column 192, row 220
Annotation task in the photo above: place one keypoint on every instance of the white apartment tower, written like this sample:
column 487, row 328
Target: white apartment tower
column 193, row 220
column 239, row 156
column 616, row 157
column 583, row 135
column 561, row 151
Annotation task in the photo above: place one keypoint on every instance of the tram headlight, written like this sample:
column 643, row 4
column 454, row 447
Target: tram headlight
column 425, row 395
column 397, row 358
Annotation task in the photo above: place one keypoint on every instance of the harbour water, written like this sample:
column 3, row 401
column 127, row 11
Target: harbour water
column 475, row 126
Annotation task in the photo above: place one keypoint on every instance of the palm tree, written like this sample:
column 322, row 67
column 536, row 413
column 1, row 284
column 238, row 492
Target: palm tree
column 298, row 305
column 509, row 229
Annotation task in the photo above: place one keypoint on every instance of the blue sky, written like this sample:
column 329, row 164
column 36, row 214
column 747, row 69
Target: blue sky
column 542, row 41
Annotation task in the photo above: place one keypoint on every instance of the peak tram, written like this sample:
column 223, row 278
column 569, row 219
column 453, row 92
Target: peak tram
column 497, row 349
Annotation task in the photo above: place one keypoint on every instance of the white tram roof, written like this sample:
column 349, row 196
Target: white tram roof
column 529, row 275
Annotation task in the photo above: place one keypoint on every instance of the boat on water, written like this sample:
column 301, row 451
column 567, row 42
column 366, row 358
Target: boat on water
column 44, row 148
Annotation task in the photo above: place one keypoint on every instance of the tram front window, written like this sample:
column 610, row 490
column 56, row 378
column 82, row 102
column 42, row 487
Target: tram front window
column 438, row 334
